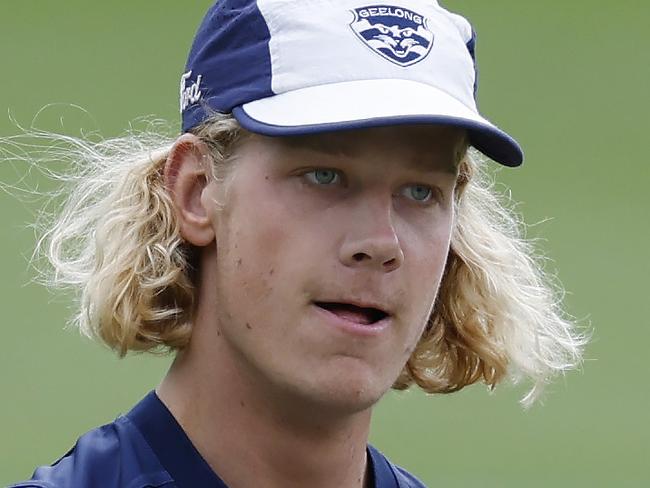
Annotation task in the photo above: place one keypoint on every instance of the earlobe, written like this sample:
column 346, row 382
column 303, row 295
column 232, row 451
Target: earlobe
column 187, row 176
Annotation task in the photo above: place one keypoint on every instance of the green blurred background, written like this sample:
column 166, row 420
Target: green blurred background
column 568, row 78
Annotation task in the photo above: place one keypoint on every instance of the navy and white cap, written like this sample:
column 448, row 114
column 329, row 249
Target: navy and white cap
column 288, row 67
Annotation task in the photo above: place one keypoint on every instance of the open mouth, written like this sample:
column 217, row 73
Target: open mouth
column 361, row 315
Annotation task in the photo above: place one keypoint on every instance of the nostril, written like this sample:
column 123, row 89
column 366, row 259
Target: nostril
column 360, row 256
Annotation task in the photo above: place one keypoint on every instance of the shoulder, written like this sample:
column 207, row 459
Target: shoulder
column 406, row 479
column 389, row 475
column 111, row 456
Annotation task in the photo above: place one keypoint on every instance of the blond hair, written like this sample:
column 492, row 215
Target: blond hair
column 116, row 243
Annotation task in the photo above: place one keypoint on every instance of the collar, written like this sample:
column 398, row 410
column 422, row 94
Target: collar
column 185, row 464
column 171, row 445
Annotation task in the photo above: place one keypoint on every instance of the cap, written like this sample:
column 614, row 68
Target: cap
column 287, row 67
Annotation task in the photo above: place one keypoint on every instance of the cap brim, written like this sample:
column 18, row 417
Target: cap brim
column 373, row 103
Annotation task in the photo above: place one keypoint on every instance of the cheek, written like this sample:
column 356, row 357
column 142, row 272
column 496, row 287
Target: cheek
column 426, row 242
column 277, row 233
column 425, row 261
column 260, row 254
column 439, row 253
column 247, row 256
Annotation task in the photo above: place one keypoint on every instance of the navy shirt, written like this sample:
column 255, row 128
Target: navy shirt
column 147, row 448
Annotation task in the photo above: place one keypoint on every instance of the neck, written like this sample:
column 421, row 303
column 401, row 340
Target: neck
column 246, row 432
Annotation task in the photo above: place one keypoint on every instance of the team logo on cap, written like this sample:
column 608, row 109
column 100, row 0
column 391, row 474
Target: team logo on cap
column 396, row 33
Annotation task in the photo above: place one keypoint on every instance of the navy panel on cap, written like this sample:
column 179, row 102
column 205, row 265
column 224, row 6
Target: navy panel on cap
column 471, row 47
column 231, row 54
column 491, row 141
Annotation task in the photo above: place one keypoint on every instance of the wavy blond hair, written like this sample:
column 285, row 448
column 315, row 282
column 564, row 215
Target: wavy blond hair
column 115, row 241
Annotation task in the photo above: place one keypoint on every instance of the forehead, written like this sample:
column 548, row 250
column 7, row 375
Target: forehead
column 421, row 147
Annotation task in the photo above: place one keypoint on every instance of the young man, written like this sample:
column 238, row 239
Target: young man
column 317, row 235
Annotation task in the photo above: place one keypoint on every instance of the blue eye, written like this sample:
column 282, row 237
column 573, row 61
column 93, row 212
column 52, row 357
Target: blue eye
column 419, row 193
column 323, row 176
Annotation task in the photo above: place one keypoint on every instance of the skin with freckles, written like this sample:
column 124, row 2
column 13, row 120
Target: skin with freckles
column 358, row 217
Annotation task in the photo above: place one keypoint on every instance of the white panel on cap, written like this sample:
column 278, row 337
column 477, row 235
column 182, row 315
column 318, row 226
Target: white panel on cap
column 463, row 26
column 312, row 43
column 358, row 100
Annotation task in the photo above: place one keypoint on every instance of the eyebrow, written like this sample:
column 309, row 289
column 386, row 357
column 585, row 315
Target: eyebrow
column 319, row 145
column 324, row 146
column 430, row 166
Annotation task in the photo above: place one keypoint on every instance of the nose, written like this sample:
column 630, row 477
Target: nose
column 372, row 240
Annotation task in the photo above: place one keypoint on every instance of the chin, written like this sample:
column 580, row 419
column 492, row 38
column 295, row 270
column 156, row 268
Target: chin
column 349, row 389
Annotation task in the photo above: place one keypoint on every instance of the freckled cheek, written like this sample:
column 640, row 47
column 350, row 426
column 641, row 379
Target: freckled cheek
column 260, row 259
column 253, row 261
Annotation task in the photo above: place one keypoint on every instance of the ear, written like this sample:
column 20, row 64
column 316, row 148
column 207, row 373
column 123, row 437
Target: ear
column 187, row 175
